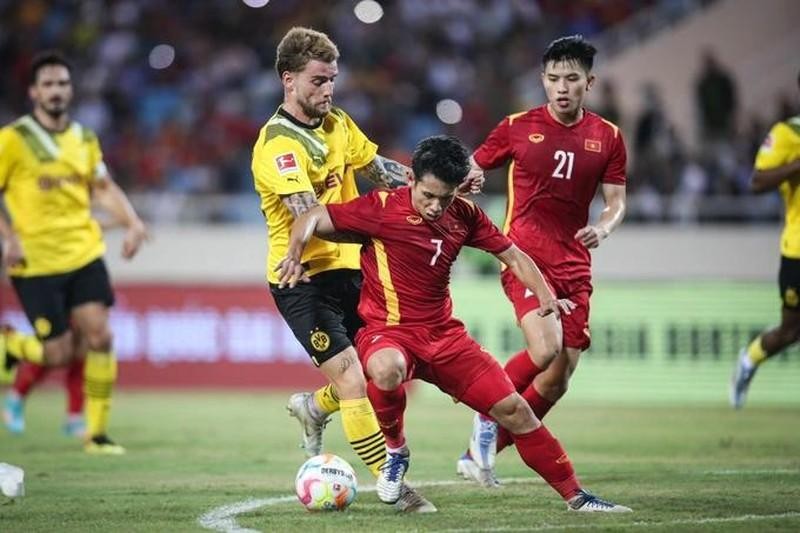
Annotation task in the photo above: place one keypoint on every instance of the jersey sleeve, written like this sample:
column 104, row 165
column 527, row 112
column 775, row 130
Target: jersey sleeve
column 280, row 166
column 777, row 148
column 484, row 235
column 360, row 150
column 615, row 173
column 362, row 215
column 98, row 166
column 8, row 151
column 496, row 149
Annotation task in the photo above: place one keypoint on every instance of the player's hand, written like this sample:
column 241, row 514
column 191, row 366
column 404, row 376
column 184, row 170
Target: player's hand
column 473, row 182
column 555, row 306
column 590, row 236
column 290, row 272
column 12, row 252
column 135, row 235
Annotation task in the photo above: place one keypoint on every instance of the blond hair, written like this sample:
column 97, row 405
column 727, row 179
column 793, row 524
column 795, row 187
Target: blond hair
column 301, row 45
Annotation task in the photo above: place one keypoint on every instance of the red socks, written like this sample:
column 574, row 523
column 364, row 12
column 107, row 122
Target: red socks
column 74, row 384
column 543, row 453
column 389, row 408
column 521, row 370
column 28, row 375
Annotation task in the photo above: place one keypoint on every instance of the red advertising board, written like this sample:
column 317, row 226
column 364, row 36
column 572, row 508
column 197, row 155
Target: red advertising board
column 168, row 335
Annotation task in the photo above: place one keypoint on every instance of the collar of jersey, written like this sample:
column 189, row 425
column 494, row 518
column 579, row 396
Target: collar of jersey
column 288, row 116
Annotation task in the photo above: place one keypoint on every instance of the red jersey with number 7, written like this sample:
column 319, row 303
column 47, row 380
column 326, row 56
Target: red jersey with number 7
column 405, row 259
column 554, row 174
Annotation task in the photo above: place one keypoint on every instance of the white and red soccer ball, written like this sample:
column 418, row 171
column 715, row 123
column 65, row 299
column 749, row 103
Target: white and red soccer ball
column 326, row 483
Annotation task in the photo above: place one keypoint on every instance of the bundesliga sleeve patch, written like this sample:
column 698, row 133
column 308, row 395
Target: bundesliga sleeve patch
column 286, row 163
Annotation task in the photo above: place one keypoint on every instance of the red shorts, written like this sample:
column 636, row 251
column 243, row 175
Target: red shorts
column 574, row 325
column 445, row 356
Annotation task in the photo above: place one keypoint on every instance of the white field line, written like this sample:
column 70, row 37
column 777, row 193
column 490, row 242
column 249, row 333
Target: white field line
column 223, row 518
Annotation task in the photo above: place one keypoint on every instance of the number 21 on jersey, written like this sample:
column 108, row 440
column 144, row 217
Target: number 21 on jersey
column 564, row 159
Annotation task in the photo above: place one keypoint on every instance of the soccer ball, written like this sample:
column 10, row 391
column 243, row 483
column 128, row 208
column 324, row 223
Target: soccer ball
column 326, row 483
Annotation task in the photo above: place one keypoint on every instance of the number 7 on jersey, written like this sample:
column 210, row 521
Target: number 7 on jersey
column 438, row 243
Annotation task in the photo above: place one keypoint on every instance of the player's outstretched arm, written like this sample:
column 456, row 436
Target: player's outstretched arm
column 386, row 173
column 611, row 217
column 529, row 274
column 315, row 221
column 768, row 180
column 112, row 199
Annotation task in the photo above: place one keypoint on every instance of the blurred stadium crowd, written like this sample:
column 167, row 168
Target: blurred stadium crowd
column 178, row 90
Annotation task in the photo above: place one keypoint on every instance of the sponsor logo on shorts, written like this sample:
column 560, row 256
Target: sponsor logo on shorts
column 42, row 326
column 790, row 297
column 563, row 459
column 320, row 341
column 536, row 138
column 528, row 293
column 414, row 219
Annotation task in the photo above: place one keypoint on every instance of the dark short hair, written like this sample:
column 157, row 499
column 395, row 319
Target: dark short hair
column 570, row 48
column 47, row 58
column 444, row 156
column 301, row 45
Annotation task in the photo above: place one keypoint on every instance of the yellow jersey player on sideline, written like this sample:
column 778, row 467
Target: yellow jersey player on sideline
column 306, row 155
column 777, row 166
column 51, row 168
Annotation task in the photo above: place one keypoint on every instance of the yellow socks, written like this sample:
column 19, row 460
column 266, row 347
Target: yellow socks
column 363, row 432
column 326, row 399
column 755, row 352
column 25, row 347
column 99, row 376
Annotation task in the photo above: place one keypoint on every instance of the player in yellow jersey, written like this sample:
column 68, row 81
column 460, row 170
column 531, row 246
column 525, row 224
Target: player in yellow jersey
column 777, row 166
column 51, row 169
column 306, row 155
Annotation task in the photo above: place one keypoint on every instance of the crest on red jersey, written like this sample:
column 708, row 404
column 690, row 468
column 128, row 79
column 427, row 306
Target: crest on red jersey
column 592, row 145
column 414, row 219
column 536, row 137
column 286, row 163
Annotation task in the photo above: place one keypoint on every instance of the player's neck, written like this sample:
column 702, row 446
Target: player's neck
column 296, row 112
column 566, row 119
column 49, row 122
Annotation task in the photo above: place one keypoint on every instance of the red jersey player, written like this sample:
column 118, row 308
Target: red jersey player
column 411, row 236
column 560, row 154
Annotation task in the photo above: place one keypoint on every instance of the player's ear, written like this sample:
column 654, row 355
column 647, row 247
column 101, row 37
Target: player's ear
column 287, row 78
column 590, row 82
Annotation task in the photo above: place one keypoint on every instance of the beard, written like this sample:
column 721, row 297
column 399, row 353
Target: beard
column 311, row 111
column 55, row 108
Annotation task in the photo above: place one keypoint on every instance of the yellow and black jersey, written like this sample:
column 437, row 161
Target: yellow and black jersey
column 46, row 178
column 781, row 147
column 291, row 157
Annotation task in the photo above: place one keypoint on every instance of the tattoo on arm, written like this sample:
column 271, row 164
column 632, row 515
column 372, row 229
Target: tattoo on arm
column 385, row 172
column 299, row 202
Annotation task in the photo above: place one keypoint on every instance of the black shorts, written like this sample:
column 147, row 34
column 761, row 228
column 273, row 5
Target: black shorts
column 323, row 313
column 48, row 300
column 789, row 282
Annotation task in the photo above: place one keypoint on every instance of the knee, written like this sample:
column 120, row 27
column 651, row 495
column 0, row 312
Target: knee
column 386, row 372
column 514, row 414
column 99, row 339
column 545, row 352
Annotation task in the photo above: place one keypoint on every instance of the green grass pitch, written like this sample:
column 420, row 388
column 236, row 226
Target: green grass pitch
column 682, row 467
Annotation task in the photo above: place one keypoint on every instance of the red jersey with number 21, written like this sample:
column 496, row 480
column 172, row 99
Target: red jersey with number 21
column 554, row 174
column 406, row 260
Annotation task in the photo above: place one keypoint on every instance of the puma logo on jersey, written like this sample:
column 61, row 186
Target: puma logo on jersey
column 536, row 138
